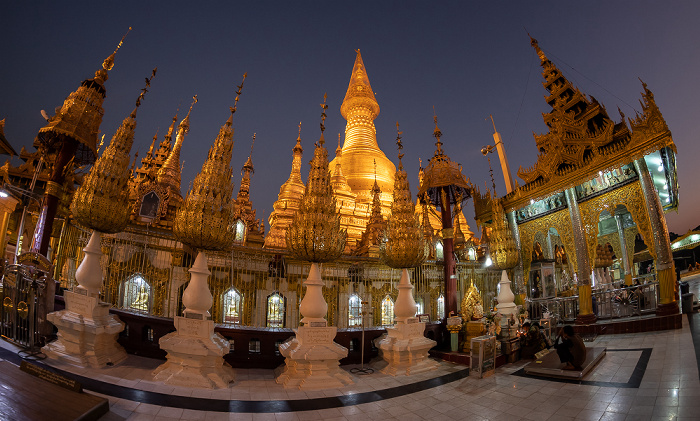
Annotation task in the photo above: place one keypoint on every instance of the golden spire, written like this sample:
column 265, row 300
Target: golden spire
column 80, row 116
column 169, row 174
column 244, row 191
column 205, row 219
column 149, row 154
column 168, row 139
column 101, row 202
column 403, row 245
column 315, row 233
column 360, row 108
column 359, row 91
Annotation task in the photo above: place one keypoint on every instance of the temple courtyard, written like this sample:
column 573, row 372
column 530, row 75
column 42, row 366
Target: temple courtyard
column 644, row 376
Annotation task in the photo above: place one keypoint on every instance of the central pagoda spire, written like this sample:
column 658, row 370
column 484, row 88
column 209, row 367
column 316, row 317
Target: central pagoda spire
column 360, row 148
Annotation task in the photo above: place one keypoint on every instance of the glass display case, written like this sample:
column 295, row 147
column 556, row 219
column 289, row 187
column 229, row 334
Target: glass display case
column 542, row 283
column 483, row 356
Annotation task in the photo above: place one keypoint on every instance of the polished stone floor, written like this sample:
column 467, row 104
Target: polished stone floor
column 644, row 376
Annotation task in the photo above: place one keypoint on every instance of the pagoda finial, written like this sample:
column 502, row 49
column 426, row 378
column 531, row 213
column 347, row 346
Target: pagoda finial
column 359, row 91
column 235, row 101
column 437, row 134
column 299, row 136
column 536, row 46
column 324, row 107
column 399, row 145
column 248, row 166
column 142, row 95
column 185, row 123
column 108, row 64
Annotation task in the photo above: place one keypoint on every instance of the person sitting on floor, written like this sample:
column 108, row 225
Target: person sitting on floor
column 571, row 350
column 533, row 341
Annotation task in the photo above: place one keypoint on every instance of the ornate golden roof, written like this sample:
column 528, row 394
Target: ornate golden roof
column 404, row 245
column 581, row 142
column 504, row 252
column 80, row 116
column 244, row 208
column 360, row 148
column 442, row 174
column 315, row 234
column 101, row 202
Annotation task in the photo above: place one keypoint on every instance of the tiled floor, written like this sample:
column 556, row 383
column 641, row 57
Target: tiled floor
column 669, row 389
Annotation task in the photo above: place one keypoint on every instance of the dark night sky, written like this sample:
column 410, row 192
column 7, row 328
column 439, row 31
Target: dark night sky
column 467, row 59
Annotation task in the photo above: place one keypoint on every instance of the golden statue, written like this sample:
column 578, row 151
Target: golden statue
column 141, row 302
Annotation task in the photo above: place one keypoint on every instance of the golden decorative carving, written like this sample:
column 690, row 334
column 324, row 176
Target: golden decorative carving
column 205, row 219
column 315, row 234
column 403, row 245
column 630, row 196
column 101, row 202
column 504, row 252
column 561, row 222
column 54, row 189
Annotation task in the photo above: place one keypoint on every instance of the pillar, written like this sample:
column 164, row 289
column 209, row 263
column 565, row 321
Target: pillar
column 623, row 250
column 585, row 305
column 665, row 271
column 451, row 298
column 518, row 271
column 52, row 196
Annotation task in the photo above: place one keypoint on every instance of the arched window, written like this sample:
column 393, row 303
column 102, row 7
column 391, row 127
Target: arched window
column 419, row 305
column 136, row 294
column 240, row 231
column 354, row 311
column 149, row 205
column 441, row 307
column 387, row 311
column 276, row 309
column 231, row 306
column 471, row 253
column 439, row 255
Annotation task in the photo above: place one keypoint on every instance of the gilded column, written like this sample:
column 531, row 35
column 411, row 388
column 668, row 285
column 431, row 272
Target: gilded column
column 585, row 310
column 623, row 250
column 665, row 271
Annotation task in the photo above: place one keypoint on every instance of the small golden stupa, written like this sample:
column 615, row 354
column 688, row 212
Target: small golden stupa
column 101, row 202
column 315, row 234
column 504, row 252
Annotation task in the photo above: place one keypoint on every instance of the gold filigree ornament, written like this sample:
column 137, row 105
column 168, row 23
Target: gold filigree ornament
column 315, row 234
column 101, row 202
column 205, row 219
column 504, row 252
column 403, row 245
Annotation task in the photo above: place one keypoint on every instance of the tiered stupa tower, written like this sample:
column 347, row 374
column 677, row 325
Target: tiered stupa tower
column 287, row 201
column 358, row 153
column 254, row 229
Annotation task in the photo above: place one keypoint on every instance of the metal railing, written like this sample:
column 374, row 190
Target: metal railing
column 559, row 309
column 146, row 272
column 626, row 302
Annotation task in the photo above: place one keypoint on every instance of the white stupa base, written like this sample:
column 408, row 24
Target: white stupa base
column 405, row 349
column 312, row 360
column 87, row 333
column 195, row 356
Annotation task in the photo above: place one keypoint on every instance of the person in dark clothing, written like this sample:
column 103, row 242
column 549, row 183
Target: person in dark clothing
column 532, row 342
column 571, row 349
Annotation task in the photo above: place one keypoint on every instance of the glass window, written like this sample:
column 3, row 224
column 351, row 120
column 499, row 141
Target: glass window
column 231, row 306
column 387, row 311
column 438, row 251
column 419, row 305
column 136, row 294
column 240, row 231
column 441, row 307
column 276, row 306
column 149, row 205
column 354, row 311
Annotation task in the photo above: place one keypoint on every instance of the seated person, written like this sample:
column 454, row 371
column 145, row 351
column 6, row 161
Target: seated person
column 533, row 341
column 571, row 350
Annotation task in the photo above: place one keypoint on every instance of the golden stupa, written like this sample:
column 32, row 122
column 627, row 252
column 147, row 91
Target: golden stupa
column 360, row 149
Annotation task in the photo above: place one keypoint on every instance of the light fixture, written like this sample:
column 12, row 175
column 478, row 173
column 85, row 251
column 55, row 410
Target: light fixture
column 489, row 262
column 4, row 194
column 661, row 168
column 532, row 201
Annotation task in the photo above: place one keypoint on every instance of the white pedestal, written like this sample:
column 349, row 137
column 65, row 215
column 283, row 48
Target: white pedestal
column 87, row 333
column 311, row 360
column 405, row 349
column 195, row 356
